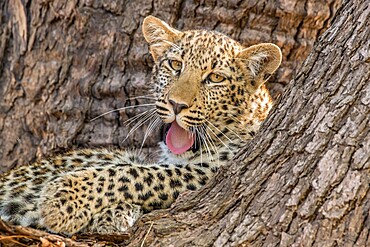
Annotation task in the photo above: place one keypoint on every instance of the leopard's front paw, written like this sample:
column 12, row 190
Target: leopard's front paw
column 115, row 218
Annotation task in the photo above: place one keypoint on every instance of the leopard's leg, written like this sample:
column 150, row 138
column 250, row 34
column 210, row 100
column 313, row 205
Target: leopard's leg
column 115, row 218
column 69, row 203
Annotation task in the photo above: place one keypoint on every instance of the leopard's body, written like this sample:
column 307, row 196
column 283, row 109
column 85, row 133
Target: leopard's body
column 208, row 88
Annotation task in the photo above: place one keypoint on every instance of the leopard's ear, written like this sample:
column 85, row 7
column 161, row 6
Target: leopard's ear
column 159, row 35
column 261, row 61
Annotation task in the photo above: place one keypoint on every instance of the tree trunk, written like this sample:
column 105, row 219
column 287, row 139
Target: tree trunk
column 304, row 180
column 64, row 62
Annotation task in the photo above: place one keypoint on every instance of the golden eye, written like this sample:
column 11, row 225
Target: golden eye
column 175, row 65
column 215, row 78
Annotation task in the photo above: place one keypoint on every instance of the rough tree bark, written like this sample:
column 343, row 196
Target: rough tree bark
column 304, row 180
column 64, row 62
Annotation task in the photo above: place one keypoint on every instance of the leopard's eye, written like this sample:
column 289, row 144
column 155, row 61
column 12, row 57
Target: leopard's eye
column 175, row 65
column 215, row 78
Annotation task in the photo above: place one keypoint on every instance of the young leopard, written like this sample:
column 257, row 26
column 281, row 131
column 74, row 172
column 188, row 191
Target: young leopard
column 210, row 94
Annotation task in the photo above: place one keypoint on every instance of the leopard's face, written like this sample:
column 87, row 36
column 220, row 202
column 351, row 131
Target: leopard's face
column 199, row 81
column 208, row 85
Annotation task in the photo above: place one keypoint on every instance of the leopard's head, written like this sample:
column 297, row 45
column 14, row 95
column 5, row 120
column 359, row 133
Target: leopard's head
column 209, row 87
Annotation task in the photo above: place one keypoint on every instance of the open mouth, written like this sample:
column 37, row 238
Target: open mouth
column 177, row 139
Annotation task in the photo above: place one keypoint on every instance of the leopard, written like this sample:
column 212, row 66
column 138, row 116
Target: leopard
column 210, row 100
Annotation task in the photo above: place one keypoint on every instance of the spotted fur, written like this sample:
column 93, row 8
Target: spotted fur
column 208, row 83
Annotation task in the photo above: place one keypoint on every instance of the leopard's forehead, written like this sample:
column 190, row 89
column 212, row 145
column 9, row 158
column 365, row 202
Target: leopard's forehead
column 205, row 45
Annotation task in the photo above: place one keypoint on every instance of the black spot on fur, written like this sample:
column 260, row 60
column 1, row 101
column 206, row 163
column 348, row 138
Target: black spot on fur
column 199, row 171
column 133, row 172
column 168, row 172
column 205, row 165
column 214, row 65
column 175, row 183
column 99, row 203
column 178, row 171
column 160, row 176
column 139, row 186
column 29, row 197
column 148, row 179
column 158, row 187
column 128, row 195
column 229, row 121
column 111, row 172
column 155, row 205
column 203, row 180
column 124, row 179
column 77, row 160
column 109, row 194
column 123, row 188
column 11, row 208
column 122, row 164
column 191, row 187
column 145, row 196
column 188, row 177
column 175, row 194
column 163, row 196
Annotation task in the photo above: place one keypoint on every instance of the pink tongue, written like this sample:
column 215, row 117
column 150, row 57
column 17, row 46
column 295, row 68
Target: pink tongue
column 178, row 139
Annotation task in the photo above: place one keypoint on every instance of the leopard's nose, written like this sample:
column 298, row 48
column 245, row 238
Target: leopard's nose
column 178, row 107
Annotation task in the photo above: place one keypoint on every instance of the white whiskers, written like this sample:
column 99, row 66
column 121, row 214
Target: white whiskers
column 146, row 96
column 219, row 130
column 134, row 118
column 121, row 109
column 140, row 123
column 207, row 137
column 218, row 138
column 156, row 123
